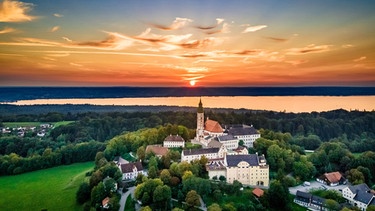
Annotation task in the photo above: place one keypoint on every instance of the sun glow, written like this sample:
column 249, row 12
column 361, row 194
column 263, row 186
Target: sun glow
column 192, row 83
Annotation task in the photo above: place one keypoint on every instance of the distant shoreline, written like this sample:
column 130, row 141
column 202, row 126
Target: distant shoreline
column 13, row 94
column 296, row 104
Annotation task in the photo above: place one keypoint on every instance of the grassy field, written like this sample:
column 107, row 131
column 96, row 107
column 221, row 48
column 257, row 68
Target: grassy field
column 33, row 124
column 21, row 124
column 56, row 124
column 50, row 189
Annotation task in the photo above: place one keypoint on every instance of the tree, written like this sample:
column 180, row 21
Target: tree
column 355, row 177
column 146, row 208
column 162, row 196
column 187, row 175
column 371, row 208
column 229, row 207
column 152, row 172
column 222, row 178
column 98, row 193
column 303, row 170
column 141, row 154
column 165, row 176
column 83, row 193
column 192, row 199
column 98, row 157
column 278, row 195
column 236, row 187
column 331, row 205
column 241, row 143
column 214, row 207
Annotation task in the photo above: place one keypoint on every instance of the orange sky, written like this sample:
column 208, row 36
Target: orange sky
column 169, row 43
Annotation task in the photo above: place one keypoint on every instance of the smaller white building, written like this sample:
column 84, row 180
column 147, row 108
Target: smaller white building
column 360, row 196
column 248, row 134
column 229, row 141
column 174, row 141
column 196, row 154
column 130, row 171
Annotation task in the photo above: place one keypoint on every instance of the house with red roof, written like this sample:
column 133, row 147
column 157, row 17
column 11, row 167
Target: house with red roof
column 332, row 179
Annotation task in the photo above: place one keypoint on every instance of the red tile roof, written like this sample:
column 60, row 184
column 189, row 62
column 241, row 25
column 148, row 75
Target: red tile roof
column 213, row 126
column 258, row 192
column 333, row 177
column 105, row 201
column 157, row 150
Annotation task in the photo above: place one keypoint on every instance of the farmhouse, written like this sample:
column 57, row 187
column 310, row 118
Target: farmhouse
column 332, row 179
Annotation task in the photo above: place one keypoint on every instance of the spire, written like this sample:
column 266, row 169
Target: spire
column 200, row 107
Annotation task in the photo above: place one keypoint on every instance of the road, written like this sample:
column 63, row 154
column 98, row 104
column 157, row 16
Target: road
column 124, row 196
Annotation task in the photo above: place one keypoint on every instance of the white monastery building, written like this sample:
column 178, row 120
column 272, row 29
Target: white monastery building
column 230, row 136
column 174, row 141
column 249, row 169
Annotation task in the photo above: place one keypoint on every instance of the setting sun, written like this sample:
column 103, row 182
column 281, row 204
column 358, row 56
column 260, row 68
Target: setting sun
column 192, row 83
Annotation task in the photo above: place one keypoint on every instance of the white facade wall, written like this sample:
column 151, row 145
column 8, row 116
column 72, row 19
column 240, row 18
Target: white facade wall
column 248, row 175
column 248, row 139
column 190, row 158
column 174, row 144
column 217, row 173
column 230, row 144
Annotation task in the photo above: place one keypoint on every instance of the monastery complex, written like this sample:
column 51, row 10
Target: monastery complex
column 226, row 157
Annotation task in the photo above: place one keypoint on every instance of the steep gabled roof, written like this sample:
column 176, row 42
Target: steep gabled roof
column 359, row 188
column 128, row 167
column 363, row 197
column 175, row 138
column 333, row 177
column 213, row 126
column 157, row 150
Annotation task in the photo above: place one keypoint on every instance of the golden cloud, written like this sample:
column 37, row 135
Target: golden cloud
column 15, row 11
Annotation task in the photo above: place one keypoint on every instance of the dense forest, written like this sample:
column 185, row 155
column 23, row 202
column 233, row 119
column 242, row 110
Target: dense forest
column 89, row 132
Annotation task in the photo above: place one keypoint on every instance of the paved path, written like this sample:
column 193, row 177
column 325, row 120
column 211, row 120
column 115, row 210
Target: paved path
column 124, row 196
column 315, row 184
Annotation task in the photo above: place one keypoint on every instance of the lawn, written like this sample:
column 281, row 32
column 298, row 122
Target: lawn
column 33, row 124
column 21, row 124
column 56, row 124
column 50, row 189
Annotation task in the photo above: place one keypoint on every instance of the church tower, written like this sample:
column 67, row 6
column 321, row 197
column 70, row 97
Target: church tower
column 200, row 122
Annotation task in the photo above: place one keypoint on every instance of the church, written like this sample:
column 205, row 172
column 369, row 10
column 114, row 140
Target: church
column 225, row 155
column 210, row 130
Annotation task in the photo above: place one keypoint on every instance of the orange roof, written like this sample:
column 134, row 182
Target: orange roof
column 258, row 192
column 105, row 201
column 213, row 126
column 333, row 177
column 157, row 150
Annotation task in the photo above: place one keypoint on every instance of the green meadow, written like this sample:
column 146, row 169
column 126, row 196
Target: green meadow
column 49, row 189
column 33, row 124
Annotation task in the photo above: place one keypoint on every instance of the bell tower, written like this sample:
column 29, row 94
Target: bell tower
column 200, row 122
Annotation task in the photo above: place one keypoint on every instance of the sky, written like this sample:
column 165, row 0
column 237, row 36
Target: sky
column 212, row 43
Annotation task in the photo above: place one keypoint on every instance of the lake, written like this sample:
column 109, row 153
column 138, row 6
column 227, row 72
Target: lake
column 274, row 103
